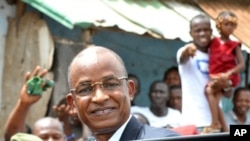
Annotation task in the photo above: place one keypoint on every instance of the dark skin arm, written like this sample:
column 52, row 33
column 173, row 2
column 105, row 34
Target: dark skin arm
column 187, row 53
column 240, row 63
column 16, row 121
column 63, row 113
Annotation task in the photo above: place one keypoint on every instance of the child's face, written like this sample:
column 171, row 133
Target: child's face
column 227, row 27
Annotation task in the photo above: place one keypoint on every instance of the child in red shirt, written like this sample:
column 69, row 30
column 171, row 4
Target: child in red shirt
column 225, row 63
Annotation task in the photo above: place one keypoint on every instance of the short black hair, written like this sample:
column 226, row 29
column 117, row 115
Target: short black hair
column 136, row 77
column 133, row 75
column 238, row 90
column 173, row 87
column 171, row 69
column 156, row 82
column 199, row 16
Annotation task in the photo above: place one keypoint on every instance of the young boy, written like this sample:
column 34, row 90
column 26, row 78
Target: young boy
column 193, row 70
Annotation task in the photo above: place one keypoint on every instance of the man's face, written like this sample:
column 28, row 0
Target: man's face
column 242, row 102
column 105, row 107
column 201, row 33
column 175, row 99
column 159, row 94
column 50, row 132
column 173, row 78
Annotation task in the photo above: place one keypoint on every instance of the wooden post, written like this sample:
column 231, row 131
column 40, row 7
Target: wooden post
column 21, row 6
column 87, row 36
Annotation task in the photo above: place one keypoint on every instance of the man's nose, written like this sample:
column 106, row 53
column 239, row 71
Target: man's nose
column 99, row 94
column 50, row 139
column 202, row 32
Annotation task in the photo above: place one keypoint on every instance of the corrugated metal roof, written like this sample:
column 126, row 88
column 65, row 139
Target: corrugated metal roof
column 140, row 17
column 240, row 7
column 167, row 19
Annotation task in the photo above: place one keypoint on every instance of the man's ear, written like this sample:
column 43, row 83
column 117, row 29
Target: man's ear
column 71, row 104
column 131, row 87
column 70, row 100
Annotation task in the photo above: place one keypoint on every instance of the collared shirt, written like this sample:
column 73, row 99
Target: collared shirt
column 232, row 119
column 117, row 135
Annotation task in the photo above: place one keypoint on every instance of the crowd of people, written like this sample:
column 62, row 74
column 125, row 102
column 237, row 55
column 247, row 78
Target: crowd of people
column 100, row 105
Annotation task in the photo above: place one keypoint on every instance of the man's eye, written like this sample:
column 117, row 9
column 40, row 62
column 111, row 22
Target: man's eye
column 84, row 90
column 110, row 85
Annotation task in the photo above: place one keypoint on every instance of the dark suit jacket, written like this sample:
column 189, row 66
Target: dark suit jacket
column 135, row 130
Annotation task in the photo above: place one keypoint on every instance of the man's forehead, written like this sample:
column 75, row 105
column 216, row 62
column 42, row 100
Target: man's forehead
column 89, row 57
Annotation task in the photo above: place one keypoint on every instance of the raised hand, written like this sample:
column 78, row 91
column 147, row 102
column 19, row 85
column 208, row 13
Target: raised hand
column 191, row 49
column 29, row 98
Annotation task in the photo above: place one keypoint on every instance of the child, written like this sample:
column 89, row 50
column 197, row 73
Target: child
column 225, row 62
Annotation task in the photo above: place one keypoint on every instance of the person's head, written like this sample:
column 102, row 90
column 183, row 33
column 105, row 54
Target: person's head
column 201, row 32
column 158, row 93
column 49, row 129
column 175, row 97
column 226, row 22
column 172, row 77
column 141, row 118
column 100, row 90
column 137, row 83
column 241, row 101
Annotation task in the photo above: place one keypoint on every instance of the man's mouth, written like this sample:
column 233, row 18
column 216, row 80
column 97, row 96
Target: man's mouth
column 243, row 108
column 203, row 39
column 102, row 111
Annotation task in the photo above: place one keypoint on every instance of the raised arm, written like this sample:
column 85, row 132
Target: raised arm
column 62, row 111
column 16, row 121
column 186, row 52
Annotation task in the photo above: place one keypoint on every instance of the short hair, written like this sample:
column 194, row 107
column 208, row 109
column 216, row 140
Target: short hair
column 201, row 17
column 80, row 54
column 48, row 120
column 171, row 69
column 134, row 76
column 130, row 75
column 222, row 16
column 238, row 90
column 174, row 87
column 157, row 82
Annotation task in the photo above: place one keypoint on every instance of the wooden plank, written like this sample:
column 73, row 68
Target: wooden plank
column 28, row 43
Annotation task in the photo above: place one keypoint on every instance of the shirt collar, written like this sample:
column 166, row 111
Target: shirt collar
column 234, row 116
column 117, row 135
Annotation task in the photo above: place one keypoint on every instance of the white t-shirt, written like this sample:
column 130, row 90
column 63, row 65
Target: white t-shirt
column 173, row 117
column 194, row 77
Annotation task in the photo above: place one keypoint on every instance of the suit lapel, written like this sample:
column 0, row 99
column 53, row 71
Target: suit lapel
column 132, row 130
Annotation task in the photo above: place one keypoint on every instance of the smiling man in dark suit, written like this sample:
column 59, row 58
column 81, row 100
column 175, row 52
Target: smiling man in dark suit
column 101, row 96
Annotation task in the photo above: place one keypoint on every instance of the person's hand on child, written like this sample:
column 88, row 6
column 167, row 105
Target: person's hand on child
column 220, row 80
